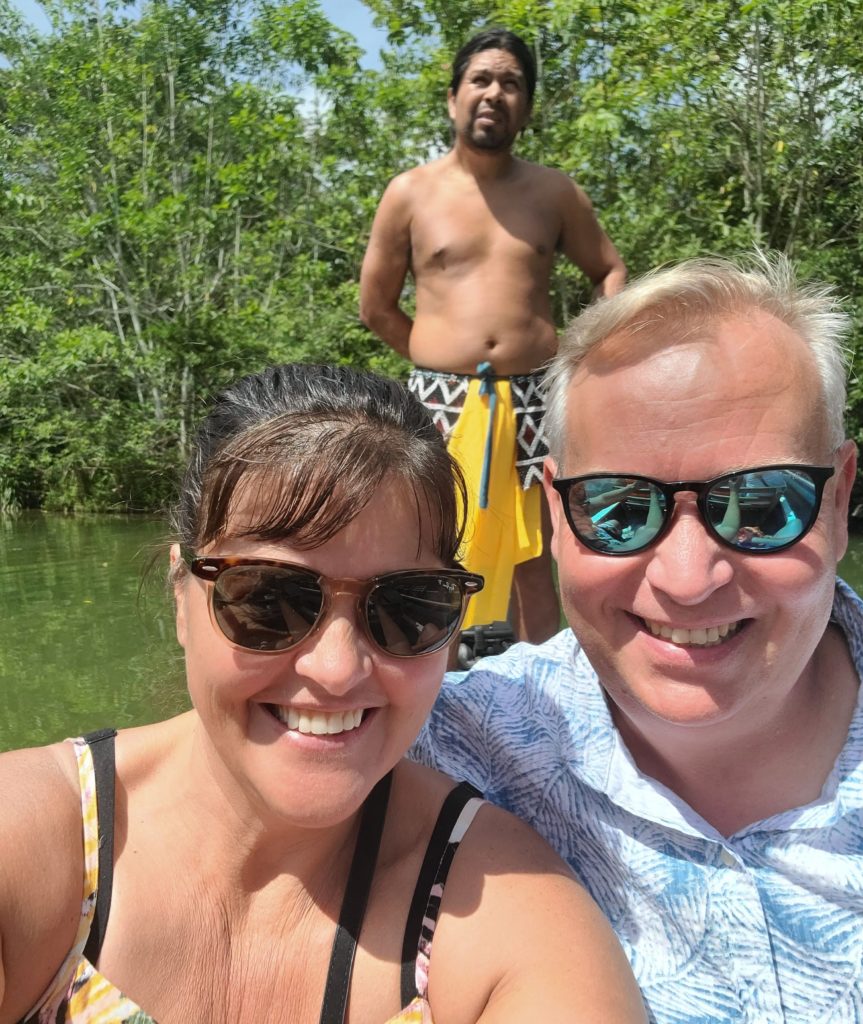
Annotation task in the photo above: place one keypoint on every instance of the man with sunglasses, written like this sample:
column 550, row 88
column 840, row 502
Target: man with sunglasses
column 693, row 745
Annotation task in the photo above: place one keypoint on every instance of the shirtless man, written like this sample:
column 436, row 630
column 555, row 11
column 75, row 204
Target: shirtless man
column 479, row 230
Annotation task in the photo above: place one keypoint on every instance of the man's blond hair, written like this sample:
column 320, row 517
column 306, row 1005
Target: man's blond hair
column 694, row 293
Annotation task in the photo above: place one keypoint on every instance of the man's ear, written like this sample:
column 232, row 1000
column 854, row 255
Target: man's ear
column 178, row 574
column 450, row 104
column 846, row 474
column 558, row 521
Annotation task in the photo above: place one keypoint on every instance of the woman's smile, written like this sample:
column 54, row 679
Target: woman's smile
column 317, row 723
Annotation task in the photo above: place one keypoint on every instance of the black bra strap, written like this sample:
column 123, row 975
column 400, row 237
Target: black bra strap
column 102, row 749
column 353, row 910
column 429, row 873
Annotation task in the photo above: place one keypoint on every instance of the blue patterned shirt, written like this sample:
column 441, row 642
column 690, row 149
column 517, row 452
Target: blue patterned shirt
column 765, row 926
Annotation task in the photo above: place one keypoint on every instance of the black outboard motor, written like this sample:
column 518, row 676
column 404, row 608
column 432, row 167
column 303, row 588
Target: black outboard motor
column 481, row 641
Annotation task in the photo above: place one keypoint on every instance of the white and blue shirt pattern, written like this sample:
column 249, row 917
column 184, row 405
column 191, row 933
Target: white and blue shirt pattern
column 764, row 926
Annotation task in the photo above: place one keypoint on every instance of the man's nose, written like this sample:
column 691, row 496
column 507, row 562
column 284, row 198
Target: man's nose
column 494, row 90
column 688, row 563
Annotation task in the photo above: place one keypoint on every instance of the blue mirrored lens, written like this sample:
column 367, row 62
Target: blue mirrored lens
column 762, row 510
column 615, row 514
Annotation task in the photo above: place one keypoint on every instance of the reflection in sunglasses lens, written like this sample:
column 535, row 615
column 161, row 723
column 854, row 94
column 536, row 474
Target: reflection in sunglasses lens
column 413, row 617
column 266, row 609
column 617, row 514
column 763, row 510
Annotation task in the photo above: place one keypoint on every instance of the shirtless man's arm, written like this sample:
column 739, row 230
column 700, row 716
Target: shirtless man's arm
column 385, row 267
column 585, row 243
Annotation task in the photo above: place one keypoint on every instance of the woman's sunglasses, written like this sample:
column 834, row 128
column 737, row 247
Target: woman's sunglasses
column 759, row 511
column 269, row 606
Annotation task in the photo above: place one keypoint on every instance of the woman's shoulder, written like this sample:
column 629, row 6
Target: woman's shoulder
column 42, row 875
column 49, row 803
column 494, row 835
column 41, row 801
column 417, row 800
column 536, row 942
column 144, row 751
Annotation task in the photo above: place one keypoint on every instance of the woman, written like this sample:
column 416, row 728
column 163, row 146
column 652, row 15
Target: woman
column 249, row 843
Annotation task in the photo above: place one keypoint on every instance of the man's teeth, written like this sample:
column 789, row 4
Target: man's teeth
column 693, row 637
column 319, row 723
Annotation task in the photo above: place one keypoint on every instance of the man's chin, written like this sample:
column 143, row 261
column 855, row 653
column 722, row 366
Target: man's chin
column 675, row 705
column 487, row 143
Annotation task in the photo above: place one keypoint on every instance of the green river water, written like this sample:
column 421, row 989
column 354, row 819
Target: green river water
column 83, row 644
column 80, row 647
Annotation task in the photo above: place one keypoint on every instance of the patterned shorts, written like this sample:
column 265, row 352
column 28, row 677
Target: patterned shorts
column 443, row 394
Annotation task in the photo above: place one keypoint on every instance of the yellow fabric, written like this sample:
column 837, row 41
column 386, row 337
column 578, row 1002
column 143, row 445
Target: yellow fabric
column 497, row 538
column 417, row 1012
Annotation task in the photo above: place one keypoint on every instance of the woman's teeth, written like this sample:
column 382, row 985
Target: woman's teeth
column 318, row 723
column 693, row 637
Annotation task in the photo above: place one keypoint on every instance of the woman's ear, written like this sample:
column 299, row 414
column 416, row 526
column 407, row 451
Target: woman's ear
column 178, row 575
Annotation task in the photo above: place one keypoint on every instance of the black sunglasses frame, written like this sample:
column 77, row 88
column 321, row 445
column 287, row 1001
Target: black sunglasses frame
column 210, row 567
column 819, row 475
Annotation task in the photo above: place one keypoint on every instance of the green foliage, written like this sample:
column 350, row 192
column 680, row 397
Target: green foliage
column 185, row 194
column 170, row 216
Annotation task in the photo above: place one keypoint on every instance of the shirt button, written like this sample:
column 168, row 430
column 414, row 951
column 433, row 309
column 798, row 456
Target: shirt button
column 728, row 858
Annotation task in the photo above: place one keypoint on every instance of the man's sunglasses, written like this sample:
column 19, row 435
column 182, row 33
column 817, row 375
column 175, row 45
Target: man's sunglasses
column 759, row 511
column 269, row 606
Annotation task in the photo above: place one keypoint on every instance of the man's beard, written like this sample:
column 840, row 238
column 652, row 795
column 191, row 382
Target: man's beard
column 495, row 141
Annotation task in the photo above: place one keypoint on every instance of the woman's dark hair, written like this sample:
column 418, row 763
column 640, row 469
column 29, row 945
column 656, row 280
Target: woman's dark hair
column 495, row 39
column 312, row 444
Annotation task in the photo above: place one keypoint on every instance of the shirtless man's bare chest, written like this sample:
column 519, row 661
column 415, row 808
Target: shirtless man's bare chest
column 481, row 250
column 481, row 254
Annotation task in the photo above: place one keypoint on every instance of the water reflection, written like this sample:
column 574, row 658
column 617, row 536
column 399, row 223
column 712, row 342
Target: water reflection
column 80, row 649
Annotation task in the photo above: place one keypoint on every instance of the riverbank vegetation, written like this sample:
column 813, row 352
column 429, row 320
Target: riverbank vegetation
column 186, row 189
